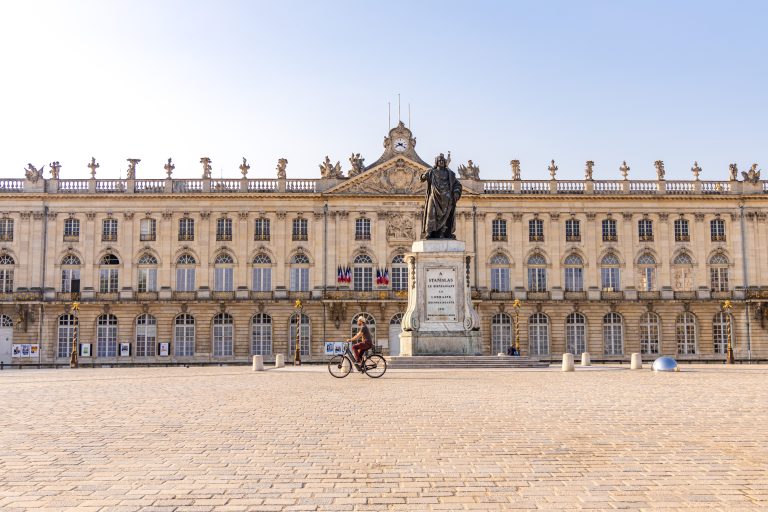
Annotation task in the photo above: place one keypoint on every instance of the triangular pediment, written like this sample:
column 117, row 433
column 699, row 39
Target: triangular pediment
column 400, row 175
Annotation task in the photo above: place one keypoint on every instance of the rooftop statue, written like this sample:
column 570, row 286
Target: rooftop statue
column 696, row 170
column 93, row 166
column 469, row 171
column 32, row 173
column 624, row 169
column 357, row 164
column 588, row 170
column 443, row 192
column 55, row 168
column 169, row 167
column 734, row 170
column 244, row 168
column 515, row 169
column 660, row 172
column 329, row 171
column 132, row 162
column 552, row 169
column 752, row 176
column 281, row 165
column 206, row 167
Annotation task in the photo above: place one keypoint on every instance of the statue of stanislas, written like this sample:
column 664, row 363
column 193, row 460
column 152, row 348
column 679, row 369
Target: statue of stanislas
column 443, row 192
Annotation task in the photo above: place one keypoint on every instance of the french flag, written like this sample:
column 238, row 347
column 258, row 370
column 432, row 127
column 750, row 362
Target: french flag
column 385, row 277
column 379, row 278
column 339, row 275
column 348, row 275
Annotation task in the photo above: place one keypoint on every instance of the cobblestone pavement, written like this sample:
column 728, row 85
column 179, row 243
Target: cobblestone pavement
column 225, row 438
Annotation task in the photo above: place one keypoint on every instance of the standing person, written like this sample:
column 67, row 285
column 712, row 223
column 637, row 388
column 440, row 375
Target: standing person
column 363, row 334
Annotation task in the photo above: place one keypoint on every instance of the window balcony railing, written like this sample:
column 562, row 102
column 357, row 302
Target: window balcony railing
column 611, row 294
column 109, row 237
column 682, row 238
column 146, row 295
column 610, row 238
column 538, row 295
column 6, row 297
column 6, row 237
column 147, row 237
column 648, row 295
column 721, row 294
column 535, row 238
column 261, row 295
column 362, row 236
column 224, row 237
column 184, row 295
column 646, row 238
column 261, row 237
column 71, row 238
column 687, row 294
column 574, row 295
column 223, row 295
column 300, row 237
column 107, row 296
column 186, row 237
column 499, row 238
column 573, row 238
column 718, row 238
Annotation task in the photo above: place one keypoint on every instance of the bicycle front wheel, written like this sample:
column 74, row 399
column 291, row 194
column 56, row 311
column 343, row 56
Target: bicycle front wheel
column 339, row 366
column 375, row 366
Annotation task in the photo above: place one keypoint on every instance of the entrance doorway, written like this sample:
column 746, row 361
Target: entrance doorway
column 394, row 334
column 6, row 338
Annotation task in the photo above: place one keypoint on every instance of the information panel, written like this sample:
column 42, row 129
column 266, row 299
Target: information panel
column 441, row 295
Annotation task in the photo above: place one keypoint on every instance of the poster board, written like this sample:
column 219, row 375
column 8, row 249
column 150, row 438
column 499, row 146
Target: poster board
column 125, row 349
column 334, row 347
column 85, row 350
column 164, row 349
column 25, row 350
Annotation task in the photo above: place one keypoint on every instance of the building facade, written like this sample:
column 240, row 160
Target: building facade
column 209, row 270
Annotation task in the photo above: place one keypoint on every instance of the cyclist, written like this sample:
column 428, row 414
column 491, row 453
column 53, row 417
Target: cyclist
column 367, row 341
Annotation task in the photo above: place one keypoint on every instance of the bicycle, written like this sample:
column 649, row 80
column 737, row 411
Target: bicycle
column 340, row 365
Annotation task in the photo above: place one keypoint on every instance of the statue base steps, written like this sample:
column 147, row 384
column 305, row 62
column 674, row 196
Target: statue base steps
column 441, row 343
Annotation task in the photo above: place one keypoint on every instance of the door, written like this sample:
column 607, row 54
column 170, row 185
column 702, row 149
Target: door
column 6, row 340
column 394, row 334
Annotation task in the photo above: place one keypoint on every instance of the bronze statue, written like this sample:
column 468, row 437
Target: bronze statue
column 443, row 192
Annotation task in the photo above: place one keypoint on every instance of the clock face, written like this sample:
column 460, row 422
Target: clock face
column 401, row 145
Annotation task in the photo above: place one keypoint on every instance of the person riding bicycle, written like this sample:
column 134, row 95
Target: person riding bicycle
column 367, row 340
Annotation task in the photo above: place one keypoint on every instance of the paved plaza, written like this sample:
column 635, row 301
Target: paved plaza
column 225, row 438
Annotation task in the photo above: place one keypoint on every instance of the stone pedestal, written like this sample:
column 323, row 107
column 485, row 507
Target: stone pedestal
column 440, row 319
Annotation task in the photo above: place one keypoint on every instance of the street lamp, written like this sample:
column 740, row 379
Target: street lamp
column 727, row 307
column 516, row 306
column 297, row 352
column 74, row 308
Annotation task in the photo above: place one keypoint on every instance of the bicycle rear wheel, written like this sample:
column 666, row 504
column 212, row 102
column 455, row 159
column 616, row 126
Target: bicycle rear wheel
column 375, row 366
column 339, row 366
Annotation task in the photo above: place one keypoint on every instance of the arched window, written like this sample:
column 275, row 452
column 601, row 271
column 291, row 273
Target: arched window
column 223, row 335
column 106, row 336
column 609, row 273
column 223, row 273
column 646, row 270
column 613, row 334
column 501, row 333
column 682, row 272
column 305, row 335
column 538, row 334
column 147, row 273
column 67, row 326
column 146, row 335
column 720, row 326
column 576, row 333
column 70, row 274
column 685, row 333
column 184, row 335
column 109, row 268
column 650, row 329
column 718, row 273
column 362, row 273
column 299, row 273
column 574, row 273
column 261, row 334
column 6, row 273
column 537, row 273
column 399, row 273
column 369, row 320
column 499, row 273
column 262, row 273
column 185, row 273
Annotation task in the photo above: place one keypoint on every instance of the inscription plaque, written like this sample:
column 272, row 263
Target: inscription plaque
column 441, row 295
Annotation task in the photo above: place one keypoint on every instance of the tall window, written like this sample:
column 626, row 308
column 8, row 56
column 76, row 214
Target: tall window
column 262, row 273
column 223, row 335
column 66, row 333
column 718, row 273
column 720, row 332
column 300, row 230
column 362, row 229
column 261, row 230
column 6, row 273
column 649, row 333
column 572, row 230
column 261, row 334
column 499, row 230
column 6, row 230
column 681, row 231
column 576, row 333
column 535, row 230
column 370, row 322
column 186, row 229
column 645, row 230
column 185, row 273
column 538, row 334
column 646, row 268
column 305, row 334
column 148, row 230
column 147, row 273
column 609, row 273
column 184, row 335
column 609, row 230
column 685, row 333
column 223, row 273
column 70, row 274
column 399, row 273
column 109, row 269
column 537, row 273
column 362, row 273
column 613, row 334
column 71, row 230
column 109, row 230
column 501, row 333
column 299, row 273
column 106, row 336
column 499, row 273
column 223, row 229
column 717, row 230
column 574, row 273
column 682, row 272
column 146, row 335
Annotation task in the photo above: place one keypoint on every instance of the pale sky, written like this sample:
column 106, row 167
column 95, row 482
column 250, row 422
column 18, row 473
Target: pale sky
column 489, row 81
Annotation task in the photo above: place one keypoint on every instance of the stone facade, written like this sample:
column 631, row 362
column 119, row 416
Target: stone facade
column 606, row 266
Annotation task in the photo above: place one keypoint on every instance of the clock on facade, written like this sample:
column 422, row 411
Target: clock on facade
column 401, row 145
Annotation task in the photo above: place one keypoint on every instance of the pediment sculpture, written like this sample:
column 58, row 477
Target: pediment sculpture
column 330, row 171
column 357, row 163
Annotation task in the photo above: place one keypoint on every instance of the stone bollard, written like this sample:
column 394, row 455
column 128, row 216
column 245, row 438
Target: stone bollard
column 567, row 362
column 258, row 363
column 585, row 361
column 279, row 361
column 637, row 362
